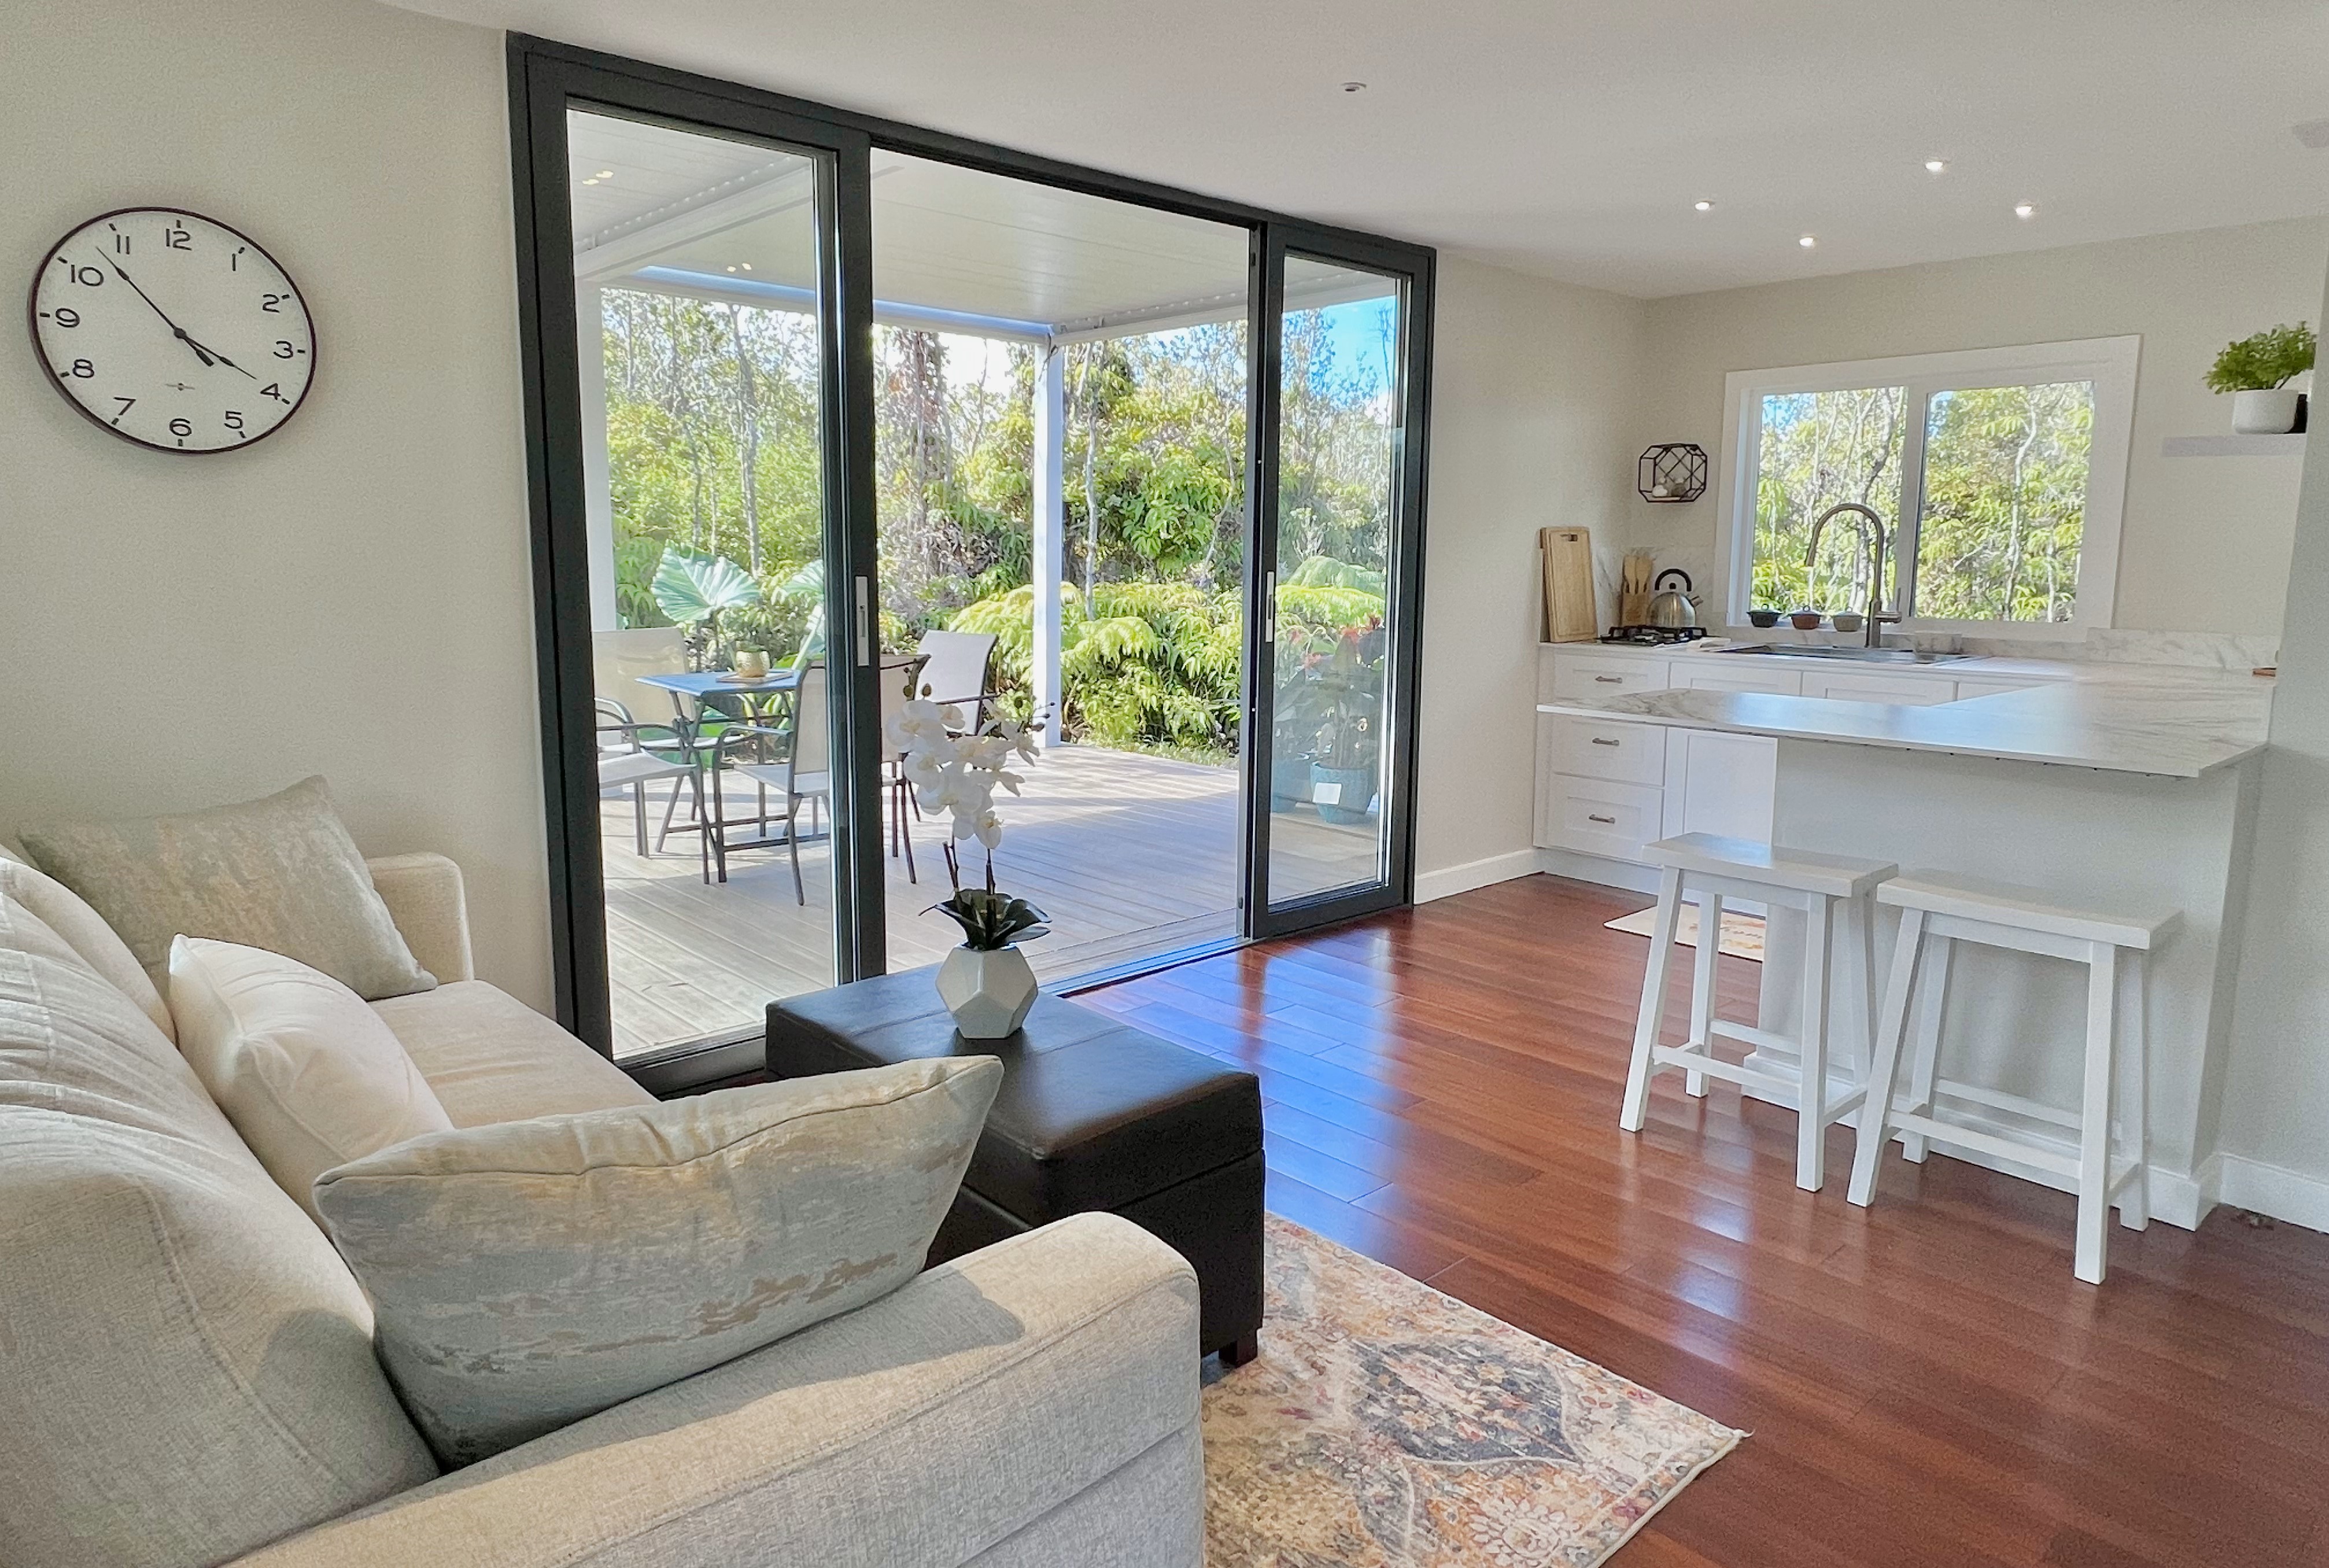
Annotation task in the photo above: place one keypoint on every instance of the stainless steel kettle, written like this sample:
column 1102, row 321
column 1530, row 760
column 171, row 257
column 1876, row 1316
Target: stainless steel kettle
column 1670, row 610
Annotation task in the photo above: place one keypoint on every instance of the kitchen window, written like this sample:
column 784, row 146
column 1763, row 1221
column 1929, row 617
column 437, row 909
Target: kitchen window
column 1997, row 474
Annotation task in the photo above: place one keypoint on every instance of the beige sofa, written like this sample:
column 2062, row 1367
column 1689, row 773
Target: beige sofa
column 186, row 1373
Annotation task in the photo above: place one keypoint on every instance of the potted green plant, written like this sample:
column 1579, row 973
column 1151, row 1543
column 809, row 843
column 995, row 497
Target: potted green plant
column 2256, row 372
column 1298, row 714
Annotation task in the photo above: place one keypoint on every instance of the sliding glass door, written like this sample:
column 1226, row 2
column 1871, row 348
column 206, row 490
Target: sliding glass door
column 1146, row 466
column 1338, row 547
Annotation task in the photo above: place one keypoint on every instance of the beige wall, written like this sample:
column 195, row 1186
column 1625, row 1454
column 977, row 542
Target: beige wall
column 2276, row 1107
column 2205, row 540
column 1532, row 391
column 350, row 597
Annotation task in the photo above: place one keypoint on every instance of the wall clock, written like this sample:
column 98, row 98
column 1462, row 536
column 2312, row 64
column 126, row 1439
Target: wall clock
column 172, row 330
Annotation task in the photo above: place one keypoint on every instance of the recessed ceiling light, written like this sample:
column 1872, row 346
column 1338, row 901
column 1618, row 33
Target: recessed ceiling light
column 1354, row 87
column 606, row 174
column 731, row 269
column 1807, row 241
column 2025, row 209
column 1703, row 206
column 748, row 265
column 591, row 182
column 1937, row 165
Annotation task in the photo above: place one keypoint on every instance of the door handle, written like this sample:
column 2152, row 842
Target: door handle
column 1269, row 607
column 864, row 624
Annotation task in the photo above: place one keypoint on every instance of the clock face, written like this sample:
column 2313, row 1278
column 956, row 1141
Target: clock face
column 172, row 330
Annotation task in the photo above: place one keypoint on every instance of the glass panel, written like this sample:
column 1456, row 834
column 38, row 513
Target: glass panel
column 1106, row 471
column 1339, row 425
column 2005, row 501
column 1817, row 450
column 701, row 349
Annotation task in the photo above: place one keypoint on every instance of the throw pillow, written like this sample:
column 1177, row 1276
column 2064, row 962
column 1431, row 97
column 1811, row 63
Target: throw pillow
column 279, row 873
column 63, row 911
column 526, row 1274
column 310, row 1076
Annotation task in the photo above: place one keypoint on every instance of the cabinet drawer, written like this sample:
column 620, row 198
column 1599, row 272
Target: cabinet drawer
column 1990, row 688
column 1598, row 675
column 1907, row 693
column 1622, row 753
column 1746, row 675
column 1602, row 817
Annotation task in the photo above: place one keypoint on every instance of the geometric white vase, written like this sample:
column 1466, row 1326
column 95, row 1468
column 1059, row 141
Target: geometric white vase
column 2268, row 412
column 988, row 992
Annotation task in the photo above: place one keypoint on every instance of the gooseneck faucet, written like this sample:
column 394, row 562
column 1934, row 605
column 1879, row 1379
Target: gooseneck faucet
column 1877, row 619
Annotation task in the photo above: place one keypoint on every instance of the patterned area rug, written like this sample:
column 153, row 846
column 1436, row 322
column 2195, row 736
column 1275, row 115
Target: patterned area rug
column 1742, row 934
column 1387, row 1426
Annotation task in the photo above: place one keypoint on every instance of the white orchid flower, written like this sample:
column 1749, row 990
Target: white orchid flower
column 1009, row 781
column 1015, row 737
column 923, row 771
column 989, row 827
column 949, row 715
column 915, row 721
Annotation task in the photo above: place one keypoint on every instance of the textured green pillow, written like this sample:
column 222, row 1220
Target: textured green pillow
column 525, row 1274
column 279, row 873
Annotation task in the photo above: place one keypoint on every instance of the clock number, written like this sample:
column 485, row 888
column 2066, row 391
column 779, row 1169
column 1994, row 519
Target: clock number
column 126, row 404
column 274, row 389
column 120, row 243
column 80, row 369
column 234, row 420
column 181, row 429
column 65, row 315
column 283, row 349
column 176, row 238
column 87, row 277
column 272, row 303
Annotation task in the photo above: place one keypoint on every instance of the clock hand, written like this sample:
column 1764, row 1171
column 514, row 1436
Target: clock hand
column 205, row 355
column 210, row 354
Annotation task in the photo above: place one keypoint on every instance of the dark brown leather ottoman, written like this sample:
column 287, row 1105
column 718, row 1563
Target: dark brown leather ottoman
column 1092, row 1114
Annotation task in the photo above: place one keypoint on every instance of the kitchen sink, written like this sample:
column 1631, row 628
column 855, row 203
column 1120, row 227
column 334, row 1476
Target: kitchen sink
column 1859, row 656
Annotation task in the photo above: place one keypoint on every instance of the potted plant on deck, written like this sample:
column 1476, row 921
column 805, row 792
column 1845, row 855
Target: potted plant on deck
column 1343, row 774
column 986, row 983
column 2256, row 372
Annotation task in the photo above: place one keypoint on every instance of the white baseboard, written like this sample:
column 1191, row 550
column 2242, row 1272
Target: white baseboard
column 1594, row 868
column 1454, row 879
column 2272, row 1190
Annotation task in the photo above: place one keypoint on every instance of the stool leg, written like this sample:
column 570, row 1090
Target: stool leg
column 1701, row 987
column 1930, row 1000
column 1637, row 1106
column 2134, row 1104
column 1811, row 1093
column 1891, row 1023
column 2094, row 1112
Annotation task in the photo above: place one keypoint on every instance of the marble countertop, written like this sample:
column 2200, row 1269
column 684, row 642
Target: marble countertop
column 2170, row 721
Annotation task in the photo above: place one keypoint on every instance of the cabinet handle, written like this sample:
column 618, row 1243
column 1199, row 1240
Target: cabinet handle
column 1611, row 680
column 1597, row 816
column 1603, row 740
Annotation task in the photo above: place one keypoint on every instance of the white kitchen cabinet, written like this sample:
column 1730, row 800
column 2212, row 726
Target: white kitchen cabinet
column 1624, row 753
column 1721, row 783
column 1605, row 675
column 1600, row 816
column 1987, row 688
column 1905, row 691
column 1714, row 673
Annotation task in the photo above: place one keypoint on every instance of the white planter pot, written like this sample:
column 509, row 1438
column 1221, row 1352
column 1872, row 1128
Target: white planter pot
column 2270, row 412
column 988, row 992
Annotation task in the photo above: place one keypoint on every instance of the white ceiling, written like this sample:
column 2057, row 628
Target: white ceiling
column 1570, row 137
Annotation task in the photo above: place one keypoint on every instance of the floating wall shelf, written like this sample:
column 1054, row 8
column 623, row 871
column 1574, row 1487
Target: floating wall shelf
column 2232, row 445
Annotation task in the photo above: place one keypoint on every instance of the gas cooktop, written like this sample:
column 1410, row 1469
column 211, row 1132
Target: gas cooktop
column 1653, row 636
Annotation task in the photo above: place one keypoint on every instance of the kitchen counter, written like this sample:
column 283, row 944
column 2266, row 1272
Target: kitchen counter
column 2167, row 720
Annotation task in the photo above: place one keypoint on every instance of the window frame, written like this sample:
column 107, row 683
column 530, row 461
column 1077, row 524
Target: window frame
column 2109, row 362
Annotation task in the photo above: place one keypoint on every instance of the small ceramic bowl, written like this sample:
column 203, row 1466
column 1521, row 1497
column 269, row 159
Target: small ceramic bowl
column 1843, row 620
column 1805, row 620
column 1762, row 618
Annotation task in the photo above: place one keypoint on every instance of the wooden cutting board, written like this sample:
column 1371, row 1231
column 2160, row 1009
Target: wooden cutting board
column 1568, row 585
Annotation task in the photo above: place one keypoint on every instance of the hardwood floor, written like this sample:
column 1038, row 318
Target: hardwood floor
column 1925, row 1381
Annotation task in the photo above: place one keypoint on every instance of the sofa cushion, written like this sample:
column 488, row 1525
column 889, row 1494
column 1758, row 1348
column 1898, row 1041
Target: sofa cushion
column 530, row 1273
column 188, row 1370
column 279, row 873
column 65, row 912
column 309, row 1075
column 492, row 1058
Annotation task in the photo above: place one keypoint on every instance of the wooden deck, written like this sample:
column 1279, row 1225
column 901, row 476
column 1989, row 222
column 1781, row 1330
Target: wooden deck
column 1130, row 854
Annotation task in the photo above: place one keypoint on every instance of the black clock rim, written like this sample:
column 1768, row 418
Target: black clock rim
column 49, row 373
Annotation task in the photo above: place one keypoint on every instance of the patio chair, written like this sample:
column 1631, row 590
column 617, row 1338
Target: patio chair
column 626, row 761
column 956, row 669
column 901, row 676
column 788, row 766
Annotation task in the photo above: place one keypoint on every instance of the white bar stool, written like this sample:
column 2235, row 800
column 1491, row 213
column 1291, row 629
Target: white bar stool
column 1705, row 869
column 1938, row 911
